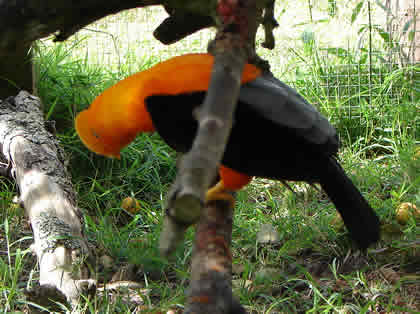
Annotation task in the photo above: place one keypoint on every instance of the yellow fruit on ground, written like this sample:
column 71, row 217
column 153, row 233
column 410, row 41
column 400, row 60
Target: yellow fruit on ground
column 405, row 211
column 416, row 153
column 131, row 205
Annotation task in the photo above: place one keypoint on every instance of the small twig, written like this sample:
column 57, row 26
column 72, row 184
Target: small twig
column 269, row 23
column 179, row 25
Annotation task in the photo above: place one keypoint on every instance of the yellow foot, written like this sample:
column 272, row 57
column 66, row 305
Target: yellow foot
column 219, row 193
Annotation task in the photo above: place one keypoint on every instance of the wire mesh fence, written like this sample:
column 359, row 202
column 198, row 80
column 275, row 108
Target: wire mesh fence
column 126, row 40
column 344, row 56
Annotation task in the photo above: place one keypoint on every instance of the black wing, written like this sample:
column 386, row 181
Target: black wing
column 172, row 116
column 281, row 104
column 266, row 96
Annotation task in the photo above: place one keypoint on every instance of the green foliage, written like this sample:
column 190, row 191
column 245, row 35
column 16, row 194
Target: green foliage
column 357, row 90
column 63, row 82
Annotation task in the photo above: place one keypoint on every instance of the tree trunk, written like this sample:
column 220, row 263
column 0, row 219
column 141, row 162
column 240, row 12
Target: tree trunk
column 210, row 290
column 37, row 163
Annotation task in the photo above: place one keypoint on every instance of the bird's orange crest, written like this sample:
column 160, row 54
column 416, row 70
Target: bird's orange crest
column 117, row 115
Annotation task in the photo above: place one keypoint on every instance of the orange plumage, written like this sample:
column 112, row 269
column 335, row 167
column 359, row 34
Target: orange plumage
column 276, row 133
column 117, row 115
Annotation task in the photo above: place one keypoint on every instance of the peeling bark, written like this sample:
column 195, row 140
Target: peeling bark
column 210, row 289
column 37, row 163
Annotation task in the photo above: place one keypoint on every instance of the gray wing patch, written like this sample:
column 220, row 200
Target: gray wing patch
column 281, row 104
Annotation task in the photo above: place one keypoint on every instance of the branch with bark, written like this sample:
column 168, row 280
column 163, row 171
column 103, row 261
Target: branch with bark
column 180, row 24
column 269, row 23
column 233, row 45
column 37, row 163
column 210, row 287
column 22, row 22
column 210, row 290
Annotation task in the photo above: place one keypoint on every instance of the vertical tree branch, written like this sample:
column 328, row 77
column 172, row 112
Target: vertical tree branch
column 233, row 44
column 210, row 290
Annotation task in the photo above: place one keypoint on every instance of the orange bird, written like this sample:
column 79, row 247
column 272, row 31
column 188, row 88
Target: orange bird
column 276, row 133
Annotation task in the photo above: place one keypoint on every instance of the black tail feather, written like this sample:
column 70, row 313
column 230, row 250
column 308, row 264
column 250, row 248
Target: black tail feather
column 359, row 218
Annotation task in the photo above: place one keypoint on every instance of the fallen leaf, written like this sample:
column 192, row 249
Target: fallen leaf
column 131, row 205
column 405, row 211
column 390, row 275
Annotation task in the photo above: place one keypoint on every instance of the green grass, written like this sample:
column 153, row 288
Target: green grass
column 313, row 268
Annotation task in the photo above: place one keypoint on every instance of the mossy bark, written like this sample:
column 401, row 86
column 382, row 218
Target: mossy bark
column 37, row 163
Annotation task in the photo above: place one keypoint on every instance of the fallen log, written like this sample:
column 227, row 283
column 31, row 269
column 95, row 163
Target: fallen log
column 36, row 161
